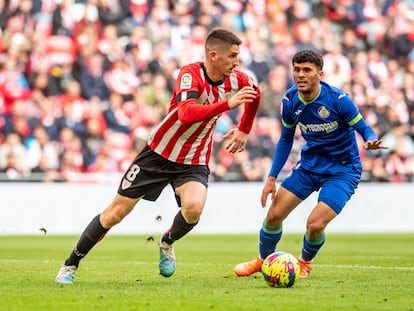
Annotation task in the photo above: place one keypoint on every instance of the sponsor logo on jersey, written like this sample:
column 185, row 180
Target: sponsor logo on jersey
column 186, row 80
column 323, row 112
column 341, row 95
column 317, row 128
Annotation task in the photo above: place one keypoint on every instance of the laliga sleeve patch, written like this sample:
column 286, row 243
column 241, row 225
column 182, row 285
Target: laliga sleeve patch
column 186, row 81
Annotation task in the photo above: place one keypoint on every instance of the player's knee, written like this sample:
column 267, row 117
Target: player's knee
column 273, row 219
column 192, row 211
column 315, row 228
column 112, row 216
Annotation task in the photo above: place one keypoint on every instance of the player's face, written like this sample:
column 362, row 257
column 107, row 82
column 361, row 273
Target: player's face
column 307, row 77
column 227, row 60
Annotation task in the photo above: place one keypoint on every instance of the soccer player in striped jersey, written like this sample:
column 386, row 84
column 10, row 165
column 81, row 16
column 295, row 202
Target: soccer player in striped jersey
column 178, row 150
column 330, row 162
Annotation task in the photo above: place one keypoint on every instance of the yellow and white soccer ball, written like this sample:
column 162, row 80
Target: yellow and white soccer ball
column 280, row 269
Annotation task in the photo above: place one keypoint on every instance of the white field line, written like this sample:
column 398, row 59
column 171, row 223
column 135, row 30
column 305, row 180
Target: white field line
column 365, row 267
column 411, row 268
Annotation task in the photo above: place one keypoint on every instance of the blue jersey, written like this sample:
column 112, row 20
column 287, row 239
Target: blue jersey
column 327, row 124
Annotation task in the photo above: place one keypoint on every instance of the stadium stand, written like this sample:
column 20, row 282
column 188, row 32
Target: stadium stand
column 82, row 82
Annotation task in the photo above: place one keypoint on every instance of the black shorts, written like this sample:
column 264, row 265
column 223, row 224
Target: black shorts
column 150, row 173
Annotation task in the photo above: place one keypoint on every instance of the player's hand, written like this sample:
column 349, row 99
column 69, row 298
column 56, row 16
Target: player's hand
column 374, row 145
column 268, row 188
column 245, row 95
column 237, row 140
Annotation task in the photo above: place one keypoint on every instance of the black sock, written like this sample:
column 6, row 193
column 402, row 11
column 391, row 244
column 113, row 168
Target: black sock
column 178, row 229
column 93, row 233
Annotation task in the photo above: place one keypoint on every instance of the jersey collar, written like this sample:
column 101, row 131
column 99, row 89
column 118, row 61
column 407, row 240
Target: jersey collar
column 214, row 83
column 305, row 102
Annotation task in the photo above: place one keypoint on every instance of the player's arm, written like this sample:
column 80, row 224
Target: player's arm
column 282, row 151
column 190, row 111
column 283, row 148
column 249, row 95
column 187, row 91
column 250, row 111
column 238, row 136
column 371, row 141
column 280, row 157
column 361, row 126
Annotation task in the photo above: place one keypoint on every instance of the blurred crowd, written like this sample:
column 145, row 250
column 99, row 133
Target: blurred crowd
column 83, row 82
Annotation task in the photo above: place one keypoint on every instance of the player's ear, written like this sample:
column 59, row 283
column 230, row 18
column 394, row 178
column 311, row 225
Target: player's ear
column 321, row 74
column 213, row 55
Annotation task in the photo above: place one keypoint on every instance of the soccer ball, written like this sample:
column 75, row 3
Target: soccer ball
column 280, row 269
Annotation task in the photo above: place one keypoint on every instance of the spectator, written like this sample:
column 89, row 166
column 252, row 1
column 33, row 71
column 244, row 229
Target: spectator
column 397, row 168
column 109, row 43
column 47, row 113
column 13, row 84
column 13, row 157
column 241, row 168
column 72, row 160
column 43, row 172
column 337, row 67
column 114, row 12
column 157, row 95
column 116, row 118
column 41, row 151
column 63, row 21
column 121, row 78
column 75, row 106
column 274, row 91
column 261, row 61
column 398, row 138
column 303, row 35
column 11, row 170
column 93, row 139
column 351, row 44
column 70, row 119
column 17, row 120
column 104, row 162
column 92, row 78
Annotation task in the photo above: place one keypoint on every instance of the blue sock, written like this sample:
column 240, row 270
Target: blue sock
column 269, row 237
column 311, row 246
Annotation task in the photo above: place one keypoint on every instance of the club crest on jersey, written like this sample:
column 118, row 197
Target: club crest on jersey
column 125, row 184
column 186, row 80
column 323, row 112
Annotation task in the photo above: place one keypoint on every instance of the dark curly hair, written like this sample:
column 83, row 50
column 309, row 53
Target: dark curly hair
column 310, row 56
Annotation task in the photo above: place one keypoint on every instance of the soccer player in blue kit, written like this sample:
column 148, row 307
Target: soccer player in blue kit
column 330, row 162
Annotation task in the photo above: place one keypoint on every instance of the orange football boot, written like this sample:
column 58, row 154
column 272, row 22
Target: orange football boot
column 249, row 267
column 305, row 268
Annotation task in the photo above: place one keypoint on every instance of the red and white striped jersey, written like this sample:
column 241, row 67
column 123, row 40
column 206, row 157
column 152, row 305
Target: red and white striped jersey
column 185, row 135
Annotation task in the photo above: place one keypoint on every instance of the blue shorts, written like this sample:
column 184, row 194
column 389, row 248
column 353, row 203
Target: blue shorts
column 335, row 190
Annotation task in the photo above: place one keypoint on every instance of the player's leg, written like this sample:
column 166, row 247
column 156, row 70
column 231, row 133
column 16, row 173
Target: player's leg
column 272, row 228
column 192, row 197
column 293, row 190
column 314, row 238
column 271, row 231
column 93, row 233
column 136, row 183
column 99, row 226
column 333, row 196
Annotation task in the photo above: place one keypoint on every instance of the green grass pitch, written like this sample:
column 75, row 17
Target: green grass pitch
column 352, row 272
